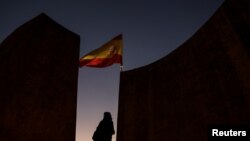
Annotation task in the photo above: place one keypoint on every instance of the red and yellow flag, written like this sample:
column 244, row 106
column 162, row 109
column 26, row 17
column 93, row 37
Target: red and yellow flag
column 106, row 55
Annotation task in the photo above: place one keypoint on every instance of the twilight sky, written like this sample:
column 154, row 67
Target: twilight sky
column 151, row 29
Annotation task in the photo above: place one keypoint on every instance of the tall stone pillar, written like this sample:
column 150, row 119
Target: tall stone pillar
column 38, row 82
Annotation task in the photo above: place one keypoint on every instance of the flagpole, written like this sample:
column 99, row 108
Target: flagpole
column 121, row 68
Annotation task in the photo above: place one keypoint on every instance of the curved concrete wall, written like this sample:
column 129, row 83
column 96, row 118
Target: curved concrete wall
column 204, row 82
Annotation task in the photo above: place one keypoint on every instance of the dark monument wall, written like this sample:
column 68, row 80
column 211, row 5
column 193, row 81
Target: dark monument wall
column 38, row 82
column 204, row 82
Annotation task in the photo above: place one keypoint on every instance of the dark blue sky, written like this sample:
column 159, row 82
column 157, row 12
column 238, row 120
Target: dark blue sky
column 151, row 29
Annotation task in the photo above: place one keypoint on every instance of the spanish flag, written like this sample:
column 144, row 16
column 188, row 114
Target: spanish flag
column 106, row 55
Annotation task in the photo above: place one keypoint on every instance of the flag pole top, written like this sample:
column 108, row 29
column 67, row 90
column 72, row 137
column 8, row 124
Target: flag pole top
column 121, row 68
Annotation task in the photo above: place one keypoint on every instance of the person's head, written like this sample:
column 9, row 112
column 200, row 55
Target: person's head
column 107, row 116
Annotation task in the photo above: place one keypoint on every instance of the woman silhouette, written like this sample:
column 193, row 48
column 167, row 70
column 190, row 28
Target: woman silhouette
column 105, row 129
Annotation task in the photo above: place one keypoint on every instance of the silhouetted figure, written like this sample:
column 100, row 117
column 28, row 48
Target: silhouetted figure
column 105, row 129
